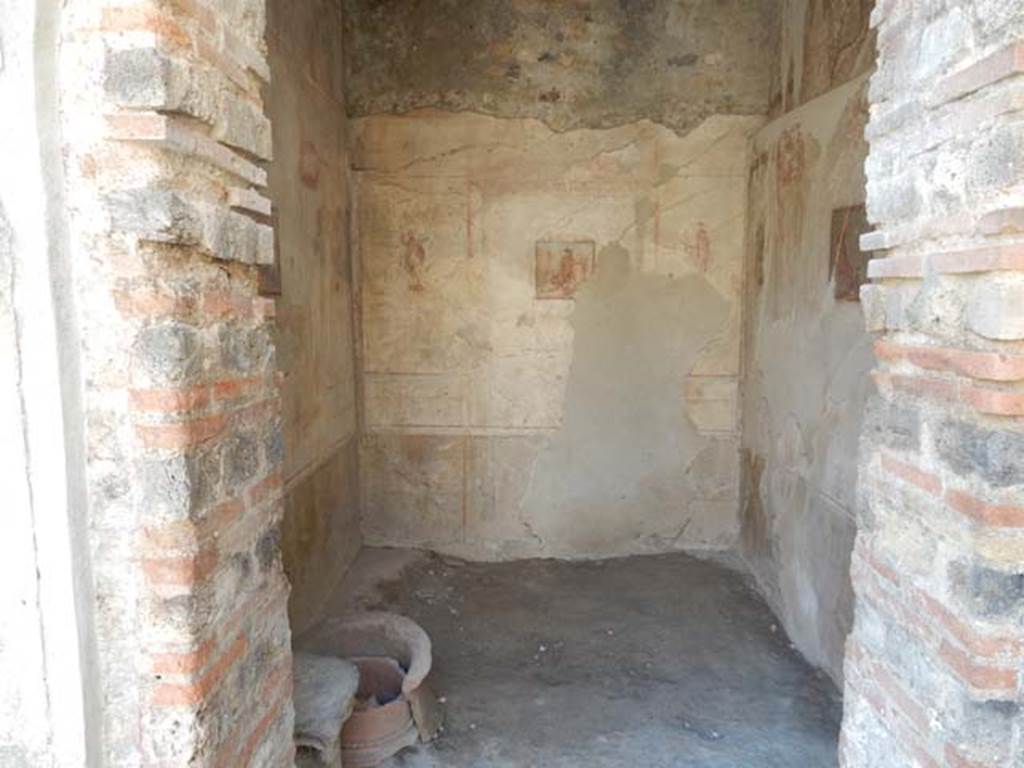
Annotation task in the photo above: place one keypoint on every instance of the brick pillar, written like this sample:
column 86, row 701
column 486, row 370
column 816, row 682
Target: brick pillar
column 165, row 144
column 934, row 664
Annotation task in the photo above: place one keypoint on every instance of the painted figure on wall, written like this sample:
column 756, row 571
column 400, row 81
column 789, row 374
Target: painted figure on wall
column 562, row 267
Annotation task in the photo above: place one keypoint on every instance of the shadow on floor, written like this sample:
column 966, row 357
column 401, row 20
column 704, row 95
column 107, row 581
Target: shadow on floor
column 651, row 661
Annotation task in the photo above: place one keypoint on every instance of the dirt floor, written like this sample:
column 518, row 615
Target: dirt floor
column 643, row 661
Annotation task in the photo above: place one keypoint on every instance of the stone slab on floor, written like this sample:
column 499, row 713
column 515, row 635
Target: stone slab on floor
column 657, row 661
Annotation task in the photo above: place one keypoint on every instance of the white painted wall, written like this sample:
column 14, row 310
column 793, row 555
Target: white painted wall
column 46, row 677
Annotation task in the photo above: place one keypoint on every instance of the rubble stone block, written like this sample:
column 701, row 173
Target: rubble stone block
column 996, row 456
column 988, row 592
column 995, row 309
column 873, row 305
column 997, row 158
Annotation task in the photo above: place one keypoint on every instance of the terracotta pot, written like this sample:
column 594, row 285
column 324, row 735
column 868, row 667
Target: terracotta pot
column 375, row 732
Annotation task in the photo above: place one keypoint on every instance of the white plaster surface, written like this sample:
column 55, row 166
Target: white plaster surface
column 47, row 707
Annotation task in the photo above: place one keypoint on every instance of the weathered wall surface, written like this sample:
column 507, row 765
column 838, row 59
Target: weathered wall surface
column 310, row 188
column 934, row 664
column 591, row 410
column 579, row 64
column 807, row 355
column 807, row 363
column 822, row 44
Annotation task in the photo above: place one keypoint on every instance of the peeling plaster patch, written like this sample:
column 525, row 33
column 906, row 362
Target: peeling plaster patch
column 618, row 466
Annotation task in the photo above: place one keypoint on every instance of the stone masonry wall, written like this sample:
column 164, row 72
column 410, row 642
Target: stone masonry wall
column 934, row 665
column 513, row 409
column 309, row 184
column 165, row 138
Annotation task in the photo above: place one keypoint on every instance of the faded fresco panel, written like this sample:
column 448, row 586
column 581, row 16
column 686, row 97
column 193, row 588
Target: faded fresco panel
column 554, row 320
column 562, row 267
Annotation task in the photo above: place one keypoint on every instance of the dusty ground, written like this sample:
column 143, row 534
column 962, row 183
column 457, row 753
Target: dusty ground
column 644, row 661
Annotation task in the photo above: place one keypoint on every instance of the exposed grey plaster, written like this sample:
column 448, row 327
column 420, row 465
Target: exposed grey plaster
column 617, row 468
column 807, row 360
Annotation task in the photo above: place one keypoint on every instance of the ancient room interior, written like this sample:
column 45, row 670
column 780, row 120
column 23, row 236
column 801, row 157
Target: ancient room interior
column 513, row 383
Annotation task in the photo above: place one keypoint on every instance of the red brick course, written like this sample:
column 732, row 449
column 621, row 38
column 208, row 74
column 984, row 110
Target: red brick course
column 997, row 66
column 982, row 259
column 988, row 681
column 187, row 571
column 990, row 366
column 985, row 664
column 983, row 400
column 191, row 694
column 926, row 481
column 180, row 435
column 994, row 515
